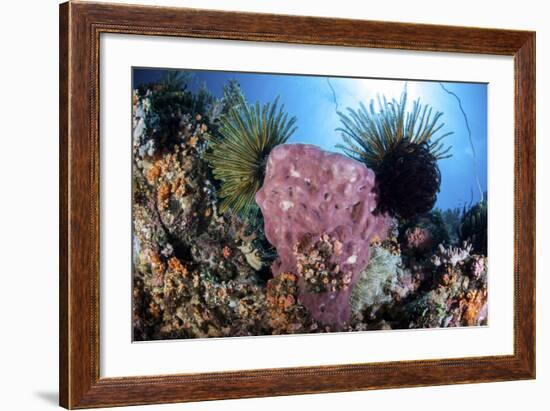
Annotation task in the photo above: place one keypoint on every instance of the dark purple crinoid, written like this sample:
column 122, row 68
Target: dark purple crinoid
column 408, row 180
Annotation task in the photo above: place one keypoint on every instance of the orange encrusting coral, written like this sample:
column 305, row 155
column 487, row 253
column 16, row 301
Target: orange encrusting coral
column 284, row 315
column 473, row 307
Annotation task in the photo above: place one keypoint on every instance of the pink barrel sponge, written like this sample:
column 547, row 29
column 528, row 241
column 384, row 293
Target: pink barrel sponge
column 315, row 202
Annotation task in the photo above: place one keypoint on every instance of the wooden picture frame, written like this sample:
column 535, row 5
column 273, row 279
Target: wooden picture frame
column 80, row 27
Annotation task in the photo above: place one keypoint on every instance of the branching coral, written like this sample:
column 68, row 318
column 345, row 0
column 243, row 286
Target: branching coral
column 247, row 134
column 233, row 97
column 452, row 255
column 402, row 147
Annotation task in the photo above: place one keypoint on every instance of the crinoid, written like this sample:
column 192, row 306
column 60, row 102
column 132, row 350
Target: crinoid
column 402, row 147
column 473, row 227
column 239, row 152
column 408, row 180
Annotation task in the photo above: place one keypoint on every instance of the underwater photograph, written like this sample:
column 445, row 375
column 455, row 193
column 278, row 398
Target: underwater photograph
column 272, row 204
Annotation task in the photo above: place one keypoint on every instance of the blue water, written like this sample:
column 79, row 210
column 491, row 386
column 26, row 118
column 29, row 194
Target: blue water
column 314, row 101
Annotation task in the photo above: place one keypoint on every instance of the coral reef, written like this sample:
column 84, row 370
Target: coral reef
column 458, row 292
column 187, row 258
column 235, row 232
column 312, row 199
column 285, row 315
column 160, row 108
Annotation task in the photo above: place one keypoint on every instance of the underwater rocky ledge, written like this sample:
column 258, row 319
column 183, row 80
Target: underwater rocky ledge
column 314, row 253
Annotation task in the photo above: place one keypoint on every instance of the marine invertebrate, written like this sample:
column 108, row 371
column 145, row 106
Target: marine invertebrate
column 458, row 293
column 179, row 184
column 478, row 266
column 233, row 96
column 474, row 308
column 419, row 238
column 457, row 304
column 402, row 148
column 247, row 134
column 187, row 258
column 316, row 265
column 430, row 227
column 369, row 134
column 408, row 180
column 375, row 283
column 284, row 314
column 473, row 227
column 311, row 197
column 451, row 255
column 251, row 255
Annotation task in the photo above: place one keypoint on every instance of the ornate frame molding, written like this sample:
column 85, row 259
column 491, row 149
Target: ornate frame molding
column 81, row 24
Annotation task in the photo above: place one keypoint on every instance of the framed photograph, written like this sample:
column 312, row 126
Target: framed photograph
column 259, row 205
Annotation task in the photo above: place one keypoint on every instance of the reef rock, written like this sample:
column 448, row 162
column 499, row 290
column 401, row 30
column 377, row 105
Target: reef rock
column 458, row 295
column 318, row 213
